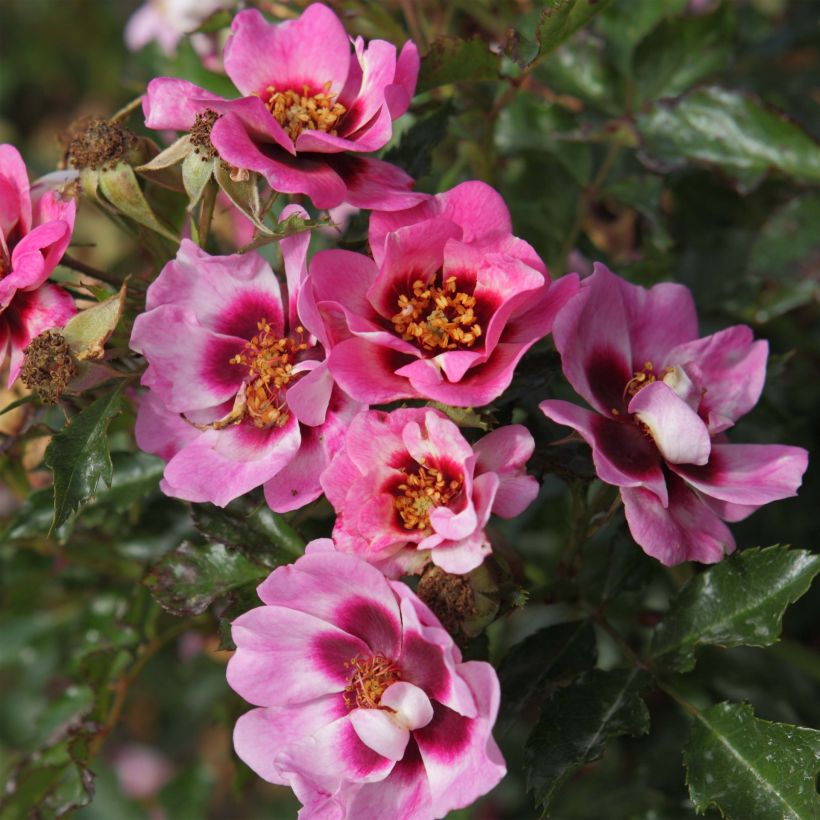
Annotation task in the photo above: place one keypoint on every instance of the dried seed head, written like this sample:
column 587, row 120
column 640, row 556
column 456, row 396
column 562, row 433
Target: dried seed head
column 48, row 366
column 96, row 143
column 451, row 598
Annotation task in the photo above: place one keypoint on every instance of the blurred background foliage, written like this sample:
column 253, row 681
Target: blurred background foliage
column 670, row 140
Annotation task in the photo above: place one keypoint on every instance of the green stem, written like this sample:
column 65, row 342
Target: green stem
column 81, row 267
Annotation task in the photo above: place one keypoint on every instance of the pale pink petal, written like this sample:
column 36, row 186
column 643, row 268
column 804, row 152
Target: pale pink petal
column 284, row 656
column 342, row 590
column 732, row 368
column 505, row 451
column 678, row 431
column 261, row 735
column 622, row 454
column 343, row 277
column 460, row 757
column 537, row 319
column 379, row 732
column 411, row 706
column 311, row 50
column 160, row 431
column 294, row 256
column 748, row 474
column 687, row 530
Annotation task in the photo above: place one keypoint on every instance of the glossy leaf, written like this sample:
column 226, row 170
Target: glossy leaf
column 189, row 579
column 79, row 458
column 747, row 767
column 451, row 60
column 540, row 662
column 413, row 153
column 730, row 131
column 577, row 722
column 561, row 19
column 739, row 601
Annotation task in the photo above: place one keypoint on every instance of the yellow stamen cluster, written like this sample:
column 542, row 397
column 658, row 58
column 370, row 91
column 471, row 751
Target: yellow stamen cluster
column 644, row 377
column 422, row 491
column 438, row 318
column 296, row 112
column 369, row 677
column 270, row 361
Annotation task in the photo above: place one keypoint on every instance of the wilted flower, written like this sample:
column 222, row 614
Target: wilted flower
column 662, row 400
column 309, row 108
column 366, row 709
column 447, row 309
column 408, row 488
column 34, row 233
column 240, row 395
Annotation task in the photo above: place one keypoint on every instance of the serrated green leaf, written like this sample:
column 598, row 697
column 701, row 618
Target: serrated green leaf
column 561, row 19
column 191, row 577
column 536, row 665
column 413, row 153
column 260, row 533
column 452, row 60
column 739, row 601
column 286, row 227
column 576, row 724
column 78, row 456
column 747, row 767
column 730, row 131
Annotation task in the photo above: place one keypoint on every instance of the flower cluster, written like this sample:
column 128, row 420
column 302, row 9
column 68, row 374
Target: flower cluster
column 345, row 374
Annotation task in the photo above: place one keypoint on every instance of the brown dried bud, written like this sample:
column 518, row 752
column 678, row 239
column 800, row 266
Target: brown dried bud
column 201, row 133
column 451, row 598
column 48, row 367
column 96, row 143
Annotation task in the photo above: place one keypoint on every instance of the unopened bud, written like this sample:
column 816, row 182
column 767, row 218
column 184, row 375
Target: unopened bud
column 48, row 366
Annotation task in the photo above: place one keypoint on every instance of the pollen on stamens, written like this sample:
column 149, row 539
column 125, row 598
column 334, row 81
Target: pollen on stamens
column 369, row 678
column 438, row 317
column 270, row 360
column 421, row 492
column 296, row 111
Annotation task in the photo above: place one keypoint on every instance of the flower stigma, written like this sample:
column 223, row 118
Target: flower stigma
column 296, row 111
column 438, row 318
column 421, row 492
column 270, row 361
column 369, row 677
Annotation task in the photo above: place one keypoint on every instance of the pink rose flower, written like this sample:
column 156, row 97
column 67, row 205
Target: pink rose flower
column 34, row 233
column 446, row 308
column 408, row 488
column 240, row 395
column 661, row 400
column 366, row 709
column 309, row 108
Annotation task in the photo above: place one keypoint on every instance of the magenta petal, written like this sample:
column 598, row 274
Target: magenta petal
column 748, row 474
column 407, row 73
column 15, row 201
column 311, row 50
column 260, row 124
column 378, row 62
column 621, row 452
column 733, row 369
column 309, row 397
column 344, row 277
column 460, row 757
column 367, row 372
column 592, row 336
column 160, row 431
column 294, row 255
column 537, row 319
column 678, row 431
column 373, row 183
column 685, row 531
column 172, row 104
column 505, row 451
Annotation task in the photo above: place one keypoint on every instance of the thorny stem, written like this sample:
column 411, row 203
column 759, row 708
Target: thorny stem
column 127, row 109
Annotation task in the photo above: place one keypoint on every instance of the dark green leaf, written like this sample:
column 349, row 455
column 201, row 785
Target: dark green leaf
column 540, row 662
column 451, row 60
column 576, row 724
column 561, row 19
column 78, row 455
column 739, row 601
column 681, row 52
column 730, row 131
column 413, row 153
column 189, row 579
column 261, row 534
column 748, row 767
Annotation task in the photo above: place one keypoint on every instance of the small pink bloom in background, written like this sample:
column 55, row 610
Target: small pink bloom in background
column 310, row 108
column 141, row 770
column 34, row 234
column 447, row 307
column 239, row 392
column 662, row 400
column 408, row 488
column 166, row 22
column 366, row 709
